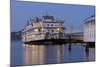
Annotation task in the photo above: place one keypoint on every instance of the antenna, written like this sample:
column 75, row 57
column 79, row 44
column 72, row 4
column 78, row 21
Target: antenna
column 27, row 23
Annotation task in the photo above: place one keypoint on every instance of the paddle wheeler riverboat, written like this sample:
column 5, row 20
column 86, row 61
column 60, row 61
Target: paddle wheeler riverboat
column 45, row 29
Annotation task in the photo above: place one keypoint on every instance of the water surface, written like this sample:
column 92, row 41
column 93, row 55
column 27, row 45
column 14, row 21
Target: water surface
column 25, row 54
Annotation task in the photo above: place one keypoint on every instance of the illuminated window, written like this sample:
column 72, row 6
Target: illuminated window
column 58, row 29
column 33, row 35
column 42, row 29
column 42, row 35
column 36, row 30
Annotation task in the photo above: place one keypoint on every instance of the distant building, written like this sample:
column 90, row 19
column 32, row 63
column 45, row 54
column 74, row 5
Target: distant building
column 46, row 27
column 89, row 29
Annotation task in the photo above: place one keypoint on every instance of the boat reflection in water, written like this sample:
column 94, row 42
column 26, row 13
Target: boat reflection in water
column 33, row 54
column 60, row 53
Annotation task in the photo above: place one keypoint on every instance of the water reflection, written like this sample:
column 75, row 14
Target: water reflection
column 69, row 48
column 33, row 54
column 50, row 53
column 89, row 53
column 40, row 54
column 47, row 54
column 60, row 53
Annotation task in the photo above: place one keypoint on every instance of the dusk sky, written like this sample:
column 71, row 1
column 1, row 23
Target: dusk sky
column 72, row 14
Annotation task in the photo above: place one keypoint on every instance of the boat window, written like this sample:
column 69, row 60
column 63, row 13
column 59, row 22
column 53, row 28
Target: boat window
column 52, row 30
column 47, row 24
column 51, row 24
